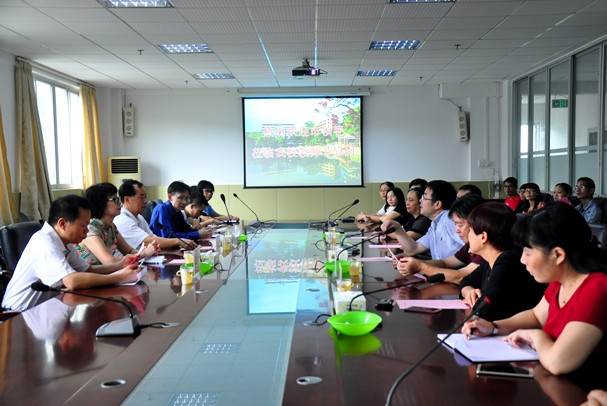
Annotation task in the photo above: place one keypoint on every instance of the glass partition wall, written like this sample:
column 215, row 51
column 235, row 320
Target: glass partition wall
column 557, row 113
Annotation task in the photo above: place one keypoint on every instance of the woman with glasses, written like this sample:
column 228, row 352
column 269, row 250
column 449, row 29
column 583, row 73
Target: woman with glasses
column 384, row 188
column 103, row 243
column 533, row 198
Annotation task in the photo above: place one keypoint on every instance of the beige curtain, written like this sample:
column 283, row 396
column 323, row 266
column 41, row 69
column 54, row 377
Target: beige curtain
column 92, row 162
column 33, row 179
column 8, row 209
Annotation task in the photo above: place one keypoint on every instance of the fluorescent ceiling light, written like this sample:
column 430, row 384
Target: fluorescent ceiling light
column 422, row 1
column 213, row 76
column 184, row 48
column 376, row 73
column 394, row 45
column 136, row 3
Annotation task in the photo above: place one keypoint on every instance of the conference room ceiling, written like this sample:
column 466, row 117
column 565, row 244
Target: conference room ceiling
column 259, row 42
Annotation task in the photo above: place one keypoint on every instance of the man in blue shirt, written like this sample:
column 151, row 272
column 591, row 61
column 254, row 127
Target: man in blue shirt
column 584, row 190
column 441, row 239
column 167, row 220
column 208, row 189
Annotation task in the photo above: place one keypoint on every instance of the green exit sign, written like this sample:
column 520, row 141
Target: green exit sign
column 560, row 103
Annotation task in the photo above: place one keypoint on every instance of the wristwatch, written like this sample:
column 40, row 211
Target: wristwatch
column 495, row 328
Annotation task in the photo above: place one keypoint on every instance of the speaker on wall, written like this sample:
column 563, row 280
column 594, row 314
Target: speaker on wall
column 462, row 126
column 128, row 121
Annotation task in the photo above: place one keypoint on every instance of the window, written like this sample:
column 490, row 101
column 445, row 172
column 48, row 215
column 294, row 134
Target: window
column 60, row 112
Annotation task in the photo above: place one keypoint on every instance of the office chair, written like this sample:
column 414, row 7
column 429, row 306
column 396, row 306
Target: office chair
column 13, row 239
column 149, row 208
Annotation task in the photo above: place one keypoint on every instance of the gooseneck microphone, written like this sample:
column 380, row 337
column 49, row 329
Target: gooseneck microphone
column 122, row 327
column 480, row 304
column 229, row 220
column 379, row 233
column 256, row 223
column 345, row 209
column 436, row 278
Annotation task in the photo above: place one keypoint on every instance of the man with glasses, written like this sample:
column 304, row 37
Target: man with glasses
column 131, row 224
column 208, row 189
column 167, row 218
column 584, row 190
column 513, row 199
column 441, row 239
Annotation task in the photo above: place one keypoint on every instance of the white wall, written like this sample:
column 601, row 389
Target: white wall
column 408, row 132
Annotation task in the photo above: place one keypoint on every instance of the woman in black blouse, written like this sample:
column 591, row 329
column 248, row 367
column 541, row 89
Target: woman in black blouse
column 501, row 277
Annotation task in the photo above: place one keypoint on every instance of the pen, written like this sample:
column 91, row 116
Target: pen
column 471, row 333
column 163, row 228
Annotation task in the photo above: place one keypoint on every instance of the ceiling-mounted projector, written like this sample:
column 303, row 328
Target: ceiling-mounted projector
column 306, row 70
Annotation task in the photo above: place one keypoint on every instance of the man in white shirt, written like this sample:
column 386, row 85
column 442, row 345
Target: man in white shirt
column 131, row 224
column 50, row 258
column 441, row 239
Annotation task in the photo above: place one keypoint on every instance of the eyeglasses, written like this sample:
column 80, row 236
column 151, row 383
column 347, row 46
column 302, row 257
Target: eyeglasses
column 114, row 199
column 427, row 198
column 181, row 197
column 581, row 187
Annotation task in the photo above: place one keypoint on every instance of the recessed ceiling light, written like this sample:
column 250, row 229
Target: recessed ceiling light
column 422, row 1
column 376, row 73
column 213, row 76
column 184, row 48
column 136, row 3
column 406, row 44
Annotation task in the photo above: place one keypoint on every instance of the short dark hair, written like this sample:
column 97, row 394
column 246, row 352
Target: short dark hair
column 67, row 207
column 128, row 188
column 533, row 186
column 206, row 185
column 566, row 187
column 418, row 183
column 561, row 225
column 442, row 191
column 475, row 190
column 398, row 193
column 178, row 187
column 496, row 219
column 589, row 182
column 388, row 183
column 97, row 195
column 512, row 180
column 463, row 206
column 197, row 199
column 418, row 192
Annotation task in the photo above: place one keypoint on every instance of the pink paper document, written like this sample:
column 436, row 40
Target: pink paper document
column 177, row 261
column 433, row 304
column 384, row 245
column 375, row 259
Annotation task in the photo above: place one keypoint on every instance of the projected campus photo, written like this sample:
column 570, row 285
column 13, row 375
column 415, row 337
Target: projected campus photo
column 313, row 141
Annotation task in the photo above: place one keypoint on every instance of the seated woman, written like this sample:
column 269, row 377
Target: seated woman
column 103, row 243
column 501, row 277
column 397, row 211
column 562, row 192
column 568, row 326
column 383, row 191
column 417, row 225
column 533, row 198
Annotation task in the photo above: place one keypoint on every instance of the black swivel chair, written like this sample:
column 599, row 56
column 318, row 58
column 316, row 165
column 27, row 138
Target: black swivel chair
column 149, row 208
column 13, row 239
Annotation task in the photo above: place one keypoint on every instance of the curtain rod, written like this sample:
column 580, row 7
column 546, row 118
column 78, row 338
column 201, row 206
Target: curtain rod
column 54, row 72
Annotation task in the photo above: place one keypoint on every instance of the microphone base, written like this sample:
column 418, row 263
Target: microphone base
column 121, row 327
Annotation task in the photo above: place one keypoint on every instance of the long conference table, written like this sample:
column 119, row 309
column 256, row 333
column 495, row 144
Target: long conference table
column 241, row 336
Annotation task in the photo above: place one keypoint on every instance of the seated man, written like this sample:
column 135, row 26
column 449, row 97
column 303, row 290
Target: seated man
column 167, row 218
column 584, row 190
column 441, row 239
column 51, row 258
column 193, row 211
column 132, row 225
column 458, row 265
column 208, row 190
column 513, row 198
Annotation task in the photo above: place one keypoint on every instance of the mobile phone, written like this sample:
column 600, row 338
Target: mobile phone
column 504, row 370
column 420, row 309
